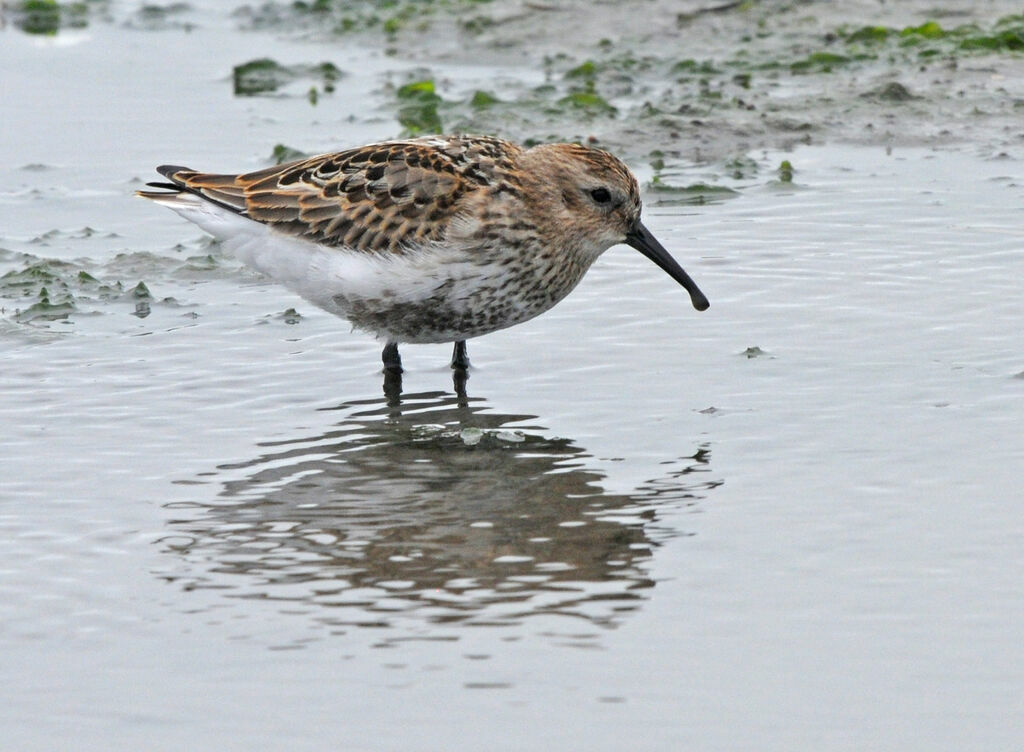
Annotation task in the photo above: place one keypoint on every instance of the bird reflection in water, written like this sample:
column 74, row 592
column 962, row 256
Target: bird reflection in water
column 430, row 507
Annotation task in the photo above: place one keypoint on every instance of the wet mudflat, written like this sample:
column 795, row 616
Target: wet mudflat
column 789, row 522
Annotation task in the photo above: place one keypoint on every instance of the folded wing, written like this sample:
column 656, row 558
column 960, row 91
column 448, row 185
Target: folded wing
column 379, row 198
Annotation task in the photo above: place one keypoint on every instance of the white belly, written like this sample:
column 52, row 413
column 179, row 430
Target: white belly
column 430, row 294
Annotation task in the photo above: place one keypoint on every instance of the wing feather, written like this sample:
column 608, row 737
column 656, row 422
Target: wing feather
column 379, row 198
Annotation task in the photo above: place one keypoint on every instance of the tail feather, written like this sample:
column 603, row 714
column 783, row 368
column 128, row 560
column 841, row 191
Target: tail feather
column 171, row 172
column 168, row 198
column 167, row 189
column 217, row 189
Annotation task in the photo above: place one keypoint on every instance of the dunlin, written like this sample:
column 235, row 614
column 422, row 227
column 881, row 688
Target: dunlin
column 435, row 239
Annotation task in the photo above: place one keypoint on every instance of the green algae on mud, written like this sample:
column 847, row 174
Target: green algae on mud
column 696, row 193
column 706, row 82
column 380, row 17
column 418, row 107
column 283, row 153
column 265, row 76
column 422, row 110
column 43, row 290
column 45, row 309
column 1006, row 34
column 48, row 17
column 153, row 17
column 289, row 316
column 588, row 102
column 39, row 17
column 483, row 99
column 49, row 289
column 785, row 171
column 724, row 91
column 717, row 78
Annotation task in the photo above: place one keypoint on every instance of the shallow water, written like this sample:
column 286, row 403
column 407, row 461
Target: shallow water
column 790, row 522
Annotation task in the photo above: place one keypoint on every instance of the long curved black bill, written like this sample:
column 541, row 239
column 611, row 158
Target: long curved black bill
column 641, row 239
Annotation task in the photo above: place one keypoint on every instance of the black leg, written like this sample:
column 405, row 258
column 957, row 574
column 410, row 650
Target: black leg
column 392, row 360
column 460, row 360
column 459, row 378
column 393, row 388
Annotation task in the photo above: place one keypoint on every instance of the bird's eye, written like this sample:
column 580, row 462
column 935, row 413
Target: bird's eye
column 601, row 195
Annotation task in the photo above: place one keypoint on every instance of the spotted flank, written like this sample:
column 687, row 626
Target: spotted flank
column 437, row 239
